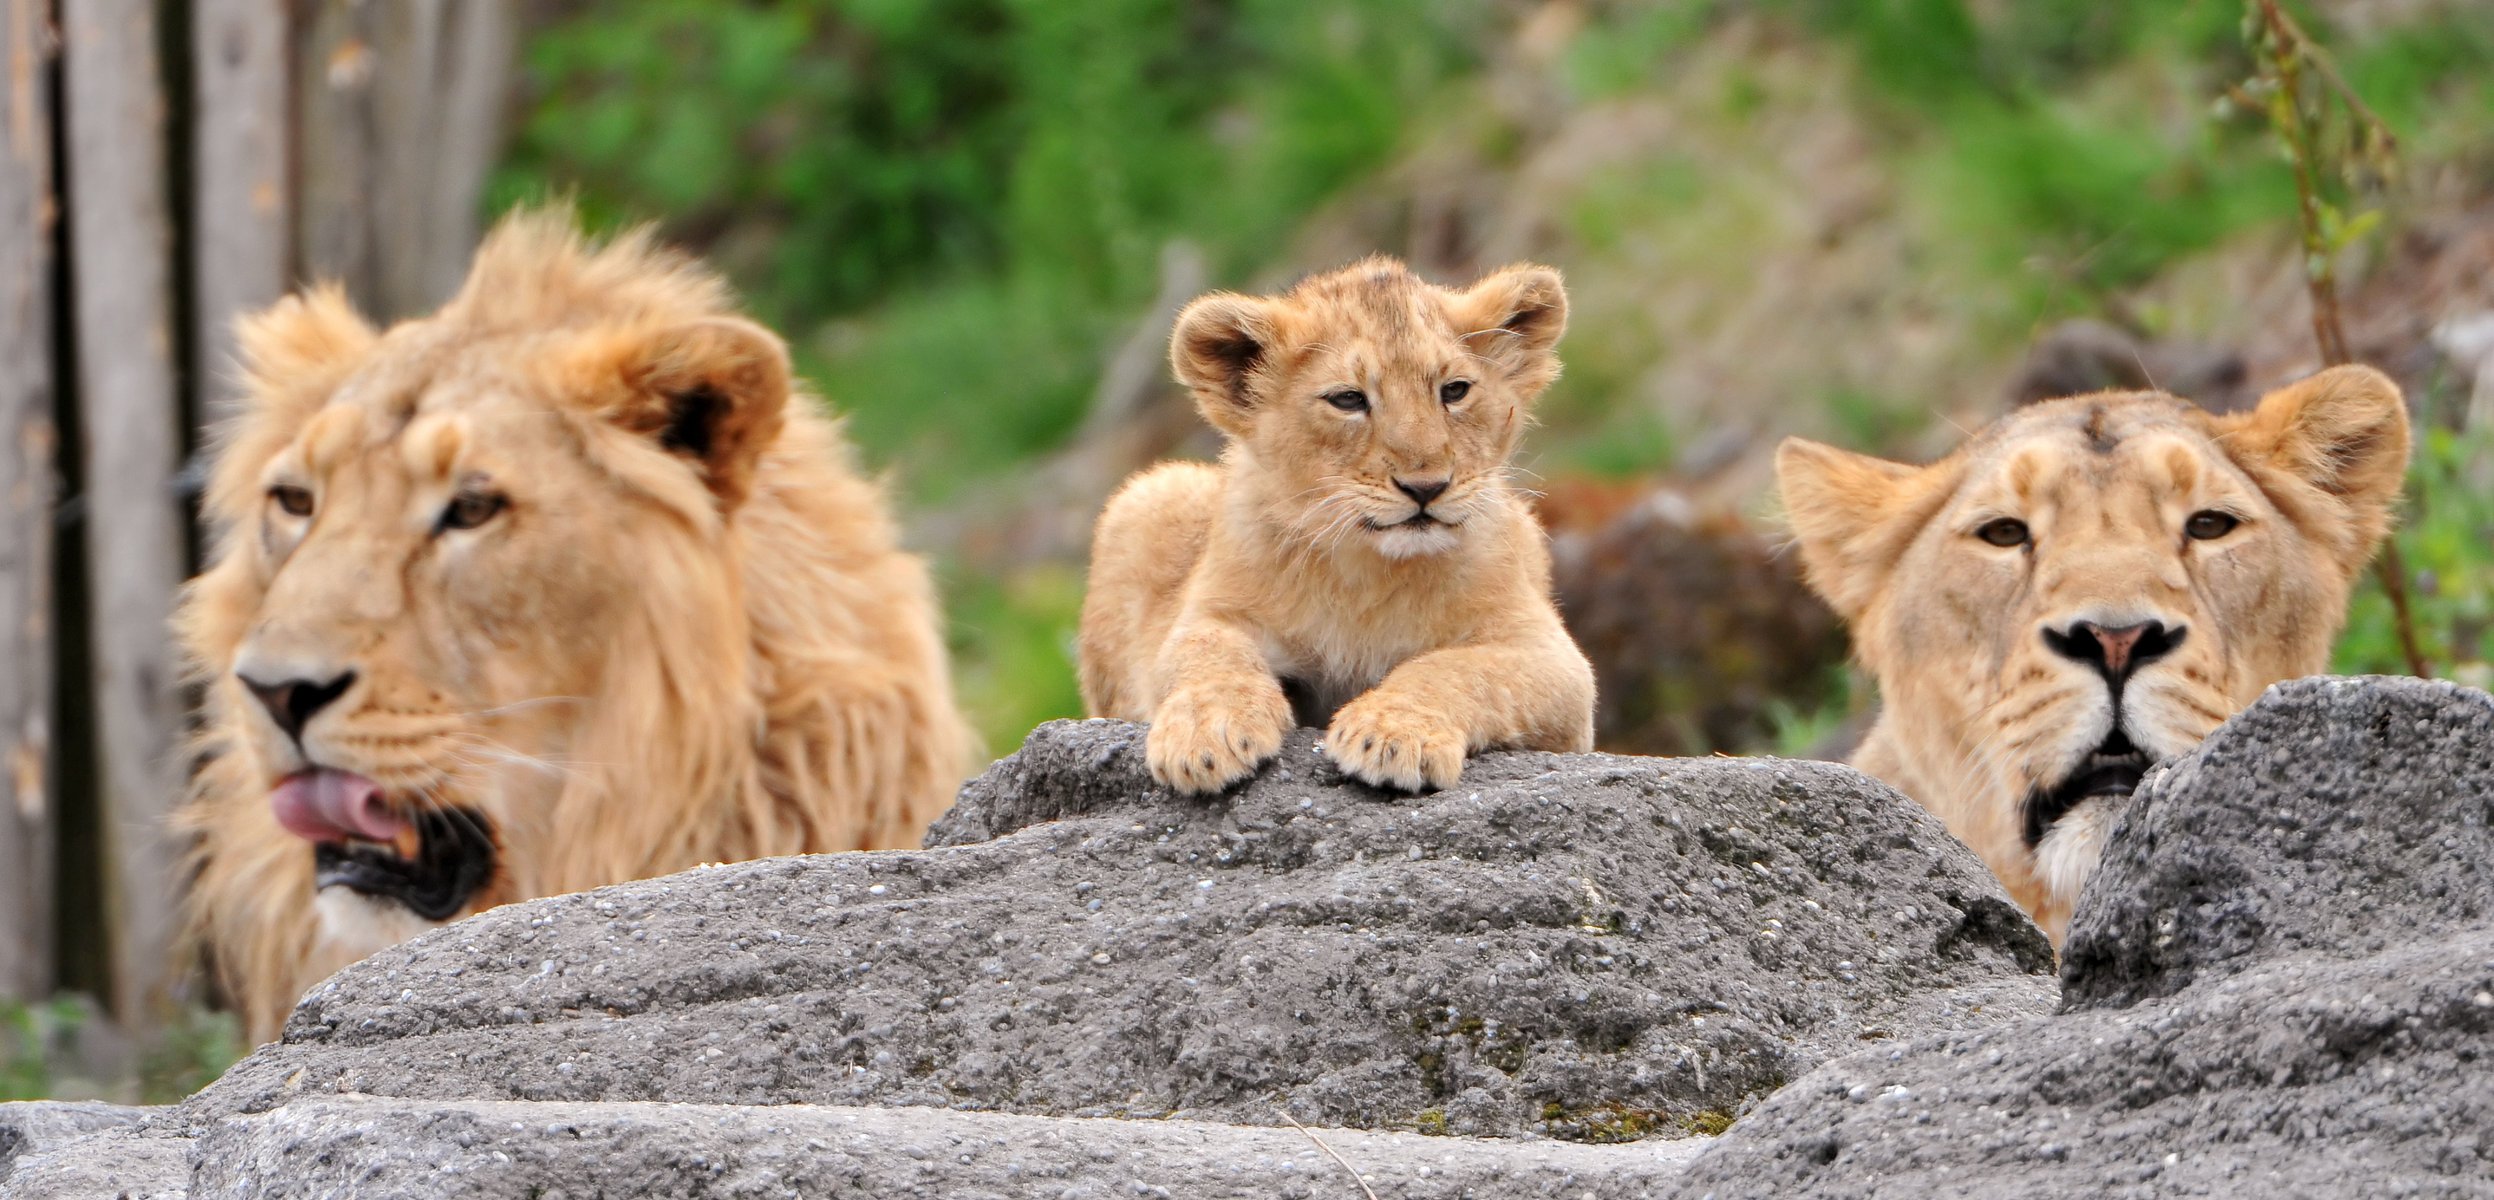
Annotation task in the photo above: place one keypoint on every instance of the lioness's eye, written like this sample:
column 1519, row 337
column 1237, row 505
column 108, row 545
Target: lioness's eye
column 2208, row 524
column 1348, row 400
column 2005, row 532
column 1454, row 390
column 468, row 510
column 291, row 500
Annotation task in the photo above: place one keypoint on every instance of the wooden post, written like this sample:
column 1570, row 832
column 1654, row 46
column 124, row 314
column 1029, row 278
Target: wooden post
column 120, row 271
column 401, row 109
column 27, row 487
column 241, row 202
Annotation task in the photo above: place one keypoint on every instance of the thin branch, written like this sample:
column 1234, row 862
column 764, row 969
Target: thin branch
column 1356, row 1177
column 2289, row 46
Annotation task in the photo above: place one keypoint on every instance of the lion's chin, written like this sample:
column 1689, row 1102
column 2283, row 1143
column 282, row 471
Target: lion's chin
column 1420, row 537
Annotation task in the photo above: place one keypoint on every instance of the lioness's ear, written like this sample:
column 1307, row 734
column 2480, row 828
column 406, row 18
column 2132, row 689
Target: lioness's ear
column 1515, row 317
column 1218, row 345
column 1846, row 513
column 2342, row 431
column 714, row 390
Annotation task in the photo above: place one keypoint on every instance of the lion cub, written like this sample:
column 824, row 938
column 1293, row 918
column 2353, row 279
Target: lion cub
column 1358, row 549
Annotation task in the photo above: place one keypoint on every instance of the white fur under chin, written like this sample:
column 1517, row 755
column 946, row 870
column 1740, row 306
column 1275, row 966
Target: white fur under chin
column 1406, row 541
column 2071, row 847
column 355, row 924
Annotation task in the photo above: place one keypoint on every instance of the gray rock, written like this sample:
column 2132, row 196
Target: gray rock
column 1583, row 946
column 456, row 1150
column 34, row 1127
column 90, row 1152
column 2280, row 982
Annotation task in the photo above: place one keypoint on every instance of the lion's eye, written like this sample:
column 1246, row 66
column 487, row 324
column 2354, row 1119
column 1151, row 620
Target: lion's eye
column 2005, row 532
column 291, row 500
column 2208, row 524
column 467, row 510
column 1454, row 390
column 1350, row 400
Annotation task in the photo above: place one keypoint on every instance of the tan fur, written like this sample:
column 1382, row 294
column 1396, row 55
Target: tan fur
column 652, row 658
column 1211, row 585
column 1978, row 710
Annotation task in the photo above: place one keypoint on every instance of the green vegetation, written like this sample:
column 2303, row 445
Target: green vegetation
column 49, row 1051
column 1825, row 216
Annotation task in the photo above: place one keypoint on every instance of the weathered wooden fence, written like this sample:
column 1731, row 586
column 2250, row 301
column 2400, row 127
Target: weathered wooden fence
column 165, row 165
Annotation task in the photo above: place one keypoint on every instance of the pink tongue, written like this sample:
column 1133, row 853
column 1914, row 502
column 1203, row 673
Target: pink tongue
column 323, row 805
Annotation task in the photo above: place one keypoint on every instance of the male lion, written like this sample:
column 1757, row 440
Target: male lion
column 558, row 587
column 1359, row 541
column 2087, row 587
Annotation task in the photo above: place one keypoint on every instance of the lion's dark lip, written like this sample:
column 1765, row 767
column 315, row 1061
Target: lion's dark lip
column 1414, row 521
column 2114, row 770
column 455, row 858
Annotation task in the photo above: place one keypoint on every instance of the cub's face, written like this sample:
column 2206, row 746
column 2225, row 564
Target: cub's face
column 2088, row 588
column 1370, row 410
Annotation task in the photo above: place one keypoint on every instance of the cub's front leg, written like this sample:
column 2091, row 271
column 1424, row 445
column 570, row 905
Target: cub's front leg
column 1222, row 714
column 1412, row 731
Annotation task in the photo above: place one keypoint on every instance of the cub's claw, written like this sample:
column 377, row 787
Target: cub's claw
column 1200, row 743
column 1390, row 743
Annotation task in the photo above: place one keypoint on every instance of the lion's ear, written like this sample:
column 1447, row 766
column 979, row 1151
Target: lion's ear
column 713, row 390
column 296, row 350
column 1219, row 343
column 2343, row 431
column 1848, row 512
column 1515, row 317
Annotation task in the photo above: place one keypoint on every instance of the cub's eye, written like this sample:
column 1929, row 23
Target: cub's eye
column 1454, row 390
column 2005, row 532
column 467, row 510
column 1348, row 400
column 2208, row 524
column 291, row 500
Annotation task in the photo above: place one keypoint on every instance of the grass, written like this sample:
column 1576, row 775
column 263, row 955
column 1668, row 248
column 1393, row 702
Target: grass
column 58, row 1049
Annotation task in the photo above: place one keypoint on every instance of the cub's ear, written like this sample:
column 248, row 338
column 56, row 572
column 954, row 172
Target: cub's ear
column 1514, row 317
column 713, row 390
column 1850, row 514
column 1219, row 344
column 2343, row 432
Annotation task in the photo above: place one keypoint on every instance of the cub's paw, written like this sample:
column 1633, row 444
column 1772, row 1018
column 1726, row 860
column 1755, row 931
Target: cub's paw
column 1203, row 741
column 1392, row 743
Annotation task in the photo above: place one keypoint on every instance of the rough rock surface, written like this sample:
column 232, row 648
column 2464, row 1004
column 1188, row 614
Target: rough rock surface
column 2280, row 982
column 1583, row 946
column 401, row 1150
column 71, row 1151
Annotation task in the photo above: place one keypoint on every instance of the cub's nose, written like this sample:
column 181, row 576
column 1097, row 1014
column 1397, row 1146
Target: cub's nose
column 2115, row 652
column 1422, row 491
column 293, row 702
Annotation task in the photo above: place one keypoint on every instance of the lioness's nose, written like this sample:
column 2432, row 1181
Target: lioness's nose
column 2115, row 652
column 293, row 702
column 1422, row 491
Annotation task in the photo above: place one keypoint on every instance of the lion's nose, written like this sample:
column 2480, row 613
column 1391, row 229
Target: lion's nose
column 1422, row 491
column 293, row 702
column 2117, row 651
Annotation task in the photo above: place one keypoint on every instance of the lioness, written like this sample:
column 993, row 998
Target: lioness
column 2087, row 587
column 558, row 587
column 1358, row 547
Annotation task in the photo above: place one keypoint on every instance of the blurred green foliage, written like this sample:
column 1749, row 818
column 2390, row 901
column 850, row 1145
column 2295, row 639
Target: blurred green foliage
column 2447, row 538
column 994, row 179
column 51, row 1050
